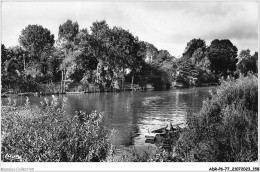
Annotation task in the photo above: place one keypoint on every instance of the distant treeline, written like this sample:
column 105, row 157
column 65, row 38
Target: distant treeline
column 201, row 64
column 108, row 58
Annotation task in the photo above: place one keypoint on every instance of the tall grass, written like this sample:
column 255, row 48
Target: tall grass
column 132, row 155
column 48, row 134
column 226, row 128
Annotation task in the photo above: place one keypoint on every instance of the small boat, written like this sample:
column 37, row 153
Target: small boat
column 157, row 133
column 151, row 141
column 164, row 131
column 150, row 136
column 168, row 130
column 161, row 130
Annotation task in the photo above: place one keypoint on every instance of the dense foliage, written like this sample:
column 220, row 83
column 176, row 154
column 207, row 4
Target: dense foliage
column 247, row 63
column 48, row 134
column 108, row 58
column 226, row 128
column 207, row 65
column 102, row 59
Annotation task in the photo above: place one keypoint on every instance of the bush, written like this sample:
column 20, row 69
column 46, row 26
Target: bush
column 226, row 128
column 132, row 155
column 48, row 134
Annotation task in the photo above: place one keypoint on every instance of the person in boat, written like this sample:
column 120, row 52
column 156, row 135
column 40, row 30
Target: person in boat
column 168, row 127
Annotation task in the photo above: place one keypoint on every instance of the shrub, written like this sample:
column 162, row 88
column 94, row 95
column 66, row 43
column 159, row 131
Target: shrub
column 226, row 128
column 48, row 134
column 50, row 88
column 132, row 155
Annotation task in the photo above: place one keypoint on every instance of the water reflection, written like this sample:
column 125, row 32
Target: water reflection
column 131, row 114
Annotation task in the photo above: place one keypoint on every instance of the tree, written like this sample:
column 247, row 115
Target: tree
column 166, row 63
column 116, row 50
column 255, row 57
column 67, row 44
column 4, row 58
column 100, row 33
column 38, row 42
column 192, row 66
column 222, row 55
column 67, row 34
column 163, row 55
column 54, row 62
column 151, row 52
column 137, row 58
column 198, row 56
column 101, row 44
column 187, row 73
column 13, row 73
column 247, row 63
column 244, row 54
column 86, row 61
column 68, row 30
column 192, row 46
column 16, row 59
column 36, row 39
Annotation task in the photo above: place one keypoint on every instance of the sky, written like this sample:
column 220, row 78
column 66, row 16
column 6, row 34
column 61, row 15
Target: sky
column 168, row 25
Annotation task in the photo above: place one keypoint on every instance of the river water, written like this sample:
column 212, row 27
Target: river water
column 131, row 114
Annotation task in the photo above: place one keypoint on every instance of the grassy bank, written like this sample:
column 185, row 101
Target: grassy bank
column 226, row 128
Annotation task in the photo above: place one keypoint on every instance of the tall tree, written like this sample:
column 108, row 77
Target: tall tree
column 192, row 46
column 86, row 61
column 67, row 35
column 198, row 55
column 4, row 58
column 163, row 55
column 16, row 59
column 244, row 54
column 38, row 42
column 67, row 44
column 13, row 67
column 101, row 44
column 222, row 55
column 247, row 63
column 36, row 39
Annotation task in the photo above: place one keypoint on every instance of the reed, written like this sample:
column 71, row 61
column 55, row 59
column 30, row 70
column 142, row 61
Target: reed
column 48, row 134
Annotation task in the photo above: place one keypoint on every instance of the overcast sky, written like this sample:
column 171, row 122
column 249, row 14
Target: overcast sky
column 167, row 25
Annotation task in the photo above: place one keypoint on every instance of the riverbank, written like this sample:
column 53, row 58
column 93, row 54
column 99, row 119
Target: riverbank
column 227, row 118
column 75, row 92
column 47, row 134
column 98, row 91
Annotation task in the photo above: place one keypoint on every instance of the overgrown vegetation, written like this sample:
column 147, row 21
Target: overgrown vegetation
column 106, row 58
column 226, row 128
column 48, row 134
column 111, row 58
